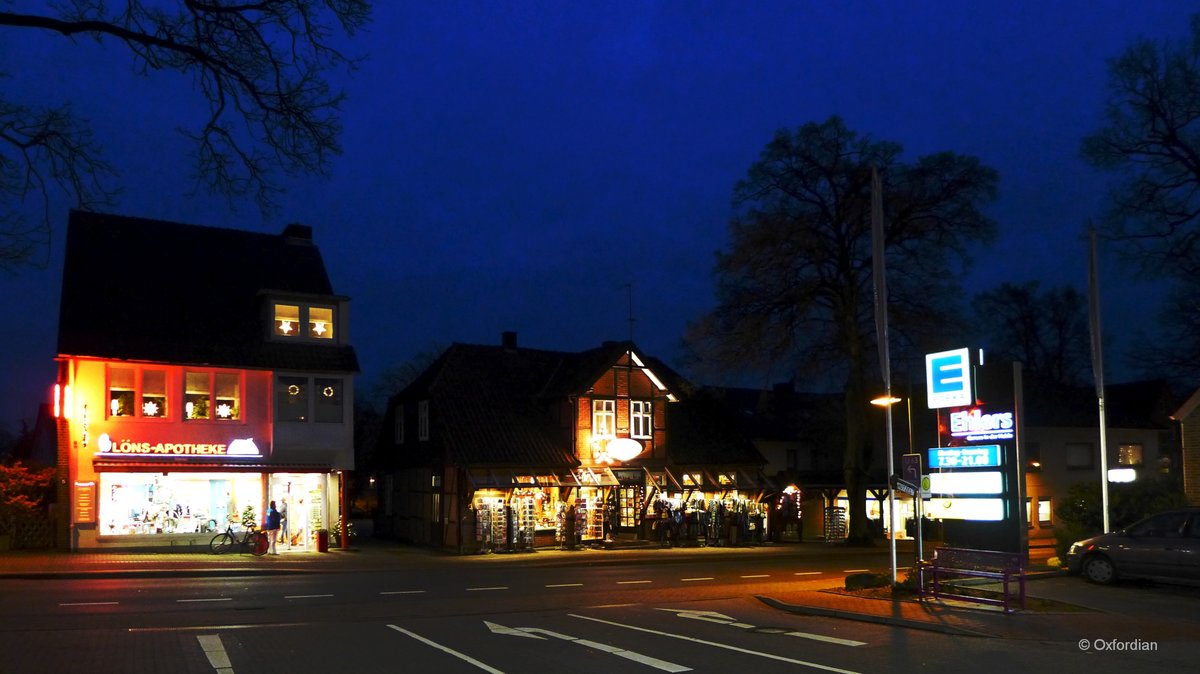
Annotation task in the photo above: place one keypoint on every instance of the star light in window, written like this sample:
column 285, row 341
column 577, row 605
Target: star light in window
column 319, row 328
column 150, row 408
column 293, row 390
column 285, row 327
column 224, row 411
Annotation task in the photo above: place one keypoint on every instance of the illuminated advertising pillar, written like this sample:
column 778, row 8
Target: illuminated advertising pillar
column 976, row 475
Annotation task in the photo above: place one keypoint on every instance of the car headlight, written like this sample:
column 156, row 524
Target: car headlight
column 1075, row 548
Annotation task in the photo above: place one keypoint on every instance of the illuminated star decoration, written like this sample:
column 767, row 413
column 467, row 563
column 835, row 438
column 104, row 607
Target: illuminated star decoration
column 328, row 391
column 150, row 408
column 293, row 390
column 319, row 328
column 285, row 327
column 224, row 411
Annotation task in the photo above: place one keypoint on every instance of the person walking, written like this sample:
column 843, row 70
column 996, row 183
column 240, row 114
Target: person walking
column 272, row 527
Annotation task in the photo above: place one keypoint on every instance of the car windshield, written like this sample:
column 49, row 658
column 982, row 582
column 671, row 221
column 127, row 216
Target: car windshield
column 1166, row 524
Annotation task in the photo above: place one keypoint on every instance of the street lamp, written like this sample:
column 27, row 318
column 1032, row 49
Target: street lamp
column 887, row 401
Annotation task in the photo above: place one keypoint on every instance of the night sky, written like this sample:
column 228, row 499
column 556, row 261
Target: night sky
column 512, row 166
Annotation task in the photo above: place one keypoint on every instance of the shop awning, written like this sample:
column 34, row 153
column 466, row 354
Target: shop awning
column 596, row 477
column 111, row 466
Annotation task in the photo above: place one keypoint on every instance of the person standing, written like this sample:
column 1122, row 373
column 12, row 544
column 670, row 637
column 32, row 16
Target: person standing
column 273, row 519
column 283, row 524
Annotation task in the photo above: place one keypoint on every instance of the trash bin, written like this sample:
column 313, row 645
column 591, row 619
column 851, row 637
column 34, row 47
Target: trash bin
column 322, row 541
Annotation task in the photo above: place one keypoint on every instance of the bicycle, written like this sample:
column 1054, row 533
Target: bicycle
column 252, row 539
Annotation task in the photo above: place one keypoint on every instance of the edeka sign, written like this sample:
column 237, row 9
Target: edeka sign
column 948, row 374
column 241, row 448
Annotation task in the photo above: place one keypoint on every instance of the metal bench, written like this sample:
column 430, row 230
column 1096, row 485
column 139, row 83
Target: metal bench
column 950, row 564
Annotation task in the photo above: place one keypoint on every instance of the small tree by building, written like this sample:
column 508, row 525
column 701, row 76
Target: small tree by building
column 24, row 495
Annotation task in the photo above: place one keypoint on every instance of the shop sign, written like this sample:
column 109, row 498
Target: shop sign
column 85, row 501
column 948, row 374
column 973, row 425
column 240, row 448
column 974, row 456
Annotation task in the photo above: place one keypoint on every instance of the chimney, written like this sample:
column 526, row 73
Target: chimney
column 508, row 339
column 297, row 233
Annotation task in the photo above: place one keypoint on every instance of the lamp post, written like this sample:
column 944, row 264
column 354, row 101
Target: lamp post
column 886, row 402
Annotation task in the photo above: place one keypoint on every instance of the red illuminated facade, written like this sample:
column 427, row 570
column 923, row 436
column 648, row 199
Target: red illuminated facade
column 202, row 372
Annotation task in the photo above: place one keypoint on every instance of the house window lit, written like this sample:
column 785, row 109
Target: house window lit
column 287, row 320
column 423, row 420
column 604, row 417
column 1044, row 511
column 641, row 421
column 197, row 387
column 328, row 405
column 320, row 323
column 154, row 393
column 291, row 399
column 228, row 396
column 121, row 393
column 1130, row 455
column 1080, row 455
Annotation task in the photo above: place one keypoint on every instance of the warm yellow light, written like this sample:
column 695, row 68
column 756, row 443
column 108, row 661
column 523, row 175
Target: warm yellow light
column 885, row 401
column 624, row 449
column 68, row 402
column 57, row 401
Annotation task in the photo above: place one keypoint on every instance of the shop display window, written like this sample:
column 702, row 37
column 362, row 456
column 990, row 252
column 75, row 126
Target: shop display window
column 328, row 407
column 195, row 395
column 177, row 503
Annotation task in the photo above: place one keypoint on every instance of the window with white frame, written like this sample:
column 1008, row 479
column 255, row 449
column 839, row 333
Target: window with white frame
column 137, row 392
column 302, row 321
column 604, row 418
column 1044, row 510
column 641, row 419
column 423, row 420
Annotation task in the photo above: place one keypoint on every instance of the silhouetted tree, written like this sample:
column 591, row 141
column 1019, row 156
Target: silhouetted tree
column 261, row 67
column 795, row 285
column 1046, row 330
column 1150, row 140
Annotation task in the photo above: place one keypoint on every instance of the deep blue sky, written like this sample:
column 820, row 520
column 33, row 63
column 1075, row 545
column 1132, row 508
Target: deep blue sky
column 511, row 166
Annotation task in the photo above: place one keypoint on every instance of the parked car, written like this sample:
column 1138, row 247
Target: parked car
column 1163, row 547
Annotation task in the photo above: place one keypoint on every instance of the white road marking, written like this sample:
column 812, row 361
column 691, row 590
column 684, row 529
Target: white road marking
column 639, row 658
column 306, row 596
column 446, row 649
column 486, row 589
column 612, row 605
column 90, row 603
column 807, row 573
column 186, row 601
column 759, row 575
column 692, row 580
column 404, row 592
column 566, row 585
column 214, row 650
column 856, row 571
column 633, row 582
column 830, row 640
column 715, row 644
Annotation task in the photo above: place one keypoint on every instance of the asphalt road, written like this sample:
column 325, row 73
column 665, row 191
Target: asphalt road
column 455, row 617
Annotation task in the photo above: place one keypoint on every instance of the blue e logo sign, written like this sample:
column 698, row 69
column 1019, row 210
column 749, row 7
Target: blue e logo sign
column 949, row 378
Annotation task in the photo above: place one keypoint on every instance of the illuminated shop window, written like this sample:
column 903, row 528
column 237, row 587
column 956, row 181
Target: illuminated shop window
column 228, row 396
column 291, row 399
column 287, row 320
column 641, row 421
column 692, row 480
column 604, row 418
column 328, row 406
column 727, row 479
column 154, row 393
column 1044, row 511
column 1130, row 455
column 197, row 387
column 320, row 323
column 121, row 392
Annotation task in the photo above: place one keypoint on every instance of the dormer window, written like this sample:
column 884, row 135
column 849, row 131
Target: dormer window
column 301, row 321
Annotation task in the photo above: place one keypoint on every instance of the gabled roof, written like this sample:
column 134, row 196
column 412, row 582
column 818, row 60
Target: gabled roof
column 495, row 406
column 140, row 289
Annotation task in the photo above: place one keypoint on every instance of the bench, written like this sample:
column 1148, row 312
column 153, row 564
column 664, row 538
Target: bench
column 957, row 563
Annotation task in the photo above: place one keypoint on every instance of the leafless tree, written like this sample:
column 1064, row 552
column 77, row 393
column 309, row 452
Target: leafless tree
column 1046, row 330
column 261, row 67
